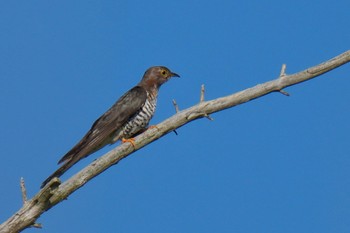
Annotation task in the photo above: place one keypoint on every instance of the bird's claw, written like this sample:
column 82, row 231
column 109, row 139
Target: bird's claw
column 131, row 140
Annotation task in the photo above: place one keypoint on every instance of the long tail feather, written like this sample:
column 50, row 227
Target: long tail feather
column 59, row 172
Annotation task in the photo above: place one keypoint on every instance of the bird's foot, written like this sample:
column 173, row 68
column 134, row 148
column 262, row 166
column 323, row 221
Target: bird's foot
column 131, row 140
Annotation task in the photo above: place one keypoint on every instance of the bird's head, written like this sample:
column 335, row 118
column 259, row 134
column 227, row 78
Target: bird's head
column 155, row 76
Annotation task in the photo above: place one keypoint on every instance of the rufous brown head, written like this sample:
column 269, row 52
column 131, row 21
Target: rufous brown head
column 155, row 76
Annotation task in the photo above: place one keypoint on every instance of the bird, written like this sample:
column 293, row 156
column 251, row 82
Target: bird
column 128, row 117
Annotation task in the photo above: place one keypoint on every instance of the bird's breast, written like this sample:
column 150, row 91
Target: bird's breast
column 141, row 119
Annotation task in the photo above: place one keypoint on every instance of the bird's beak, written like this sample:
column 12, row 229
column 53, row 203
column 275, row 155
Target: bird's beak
column 175, row 75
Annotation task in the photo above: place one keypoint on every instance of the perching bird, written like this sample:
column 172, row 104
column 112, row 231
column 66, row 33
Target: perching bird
column 128, row 117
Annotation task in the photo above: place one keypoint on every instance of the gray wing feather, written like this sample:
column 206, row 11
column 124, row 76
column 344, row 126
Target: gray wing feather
column 103, row 128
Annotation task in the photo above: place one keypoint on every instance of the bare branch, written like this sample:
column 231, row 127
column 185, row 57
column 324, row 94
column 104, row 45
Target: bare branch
column 24, row 199
column 55, row 192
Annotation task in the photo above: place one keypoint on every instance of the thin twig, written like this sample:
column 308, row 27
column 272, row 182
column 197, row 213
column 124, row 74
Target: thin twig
column 176, row 106
column 284, row 92
column 209, row 117
column 176, row 110
column 201, row 99
column 283, row 74
column 283, row 70
column 37, row 225
column 24, row 191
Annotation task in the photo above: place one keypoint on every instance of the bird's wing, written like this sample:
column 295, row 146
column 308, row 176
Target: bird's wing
column 99, row 134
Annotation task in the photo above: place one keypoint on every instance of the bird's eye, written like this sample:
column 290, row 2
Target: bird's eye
column 163, row 72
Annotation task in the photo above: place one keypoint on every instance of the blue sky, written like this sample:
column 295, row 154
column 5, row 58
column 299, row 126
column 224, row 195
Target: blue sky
column 276, row 164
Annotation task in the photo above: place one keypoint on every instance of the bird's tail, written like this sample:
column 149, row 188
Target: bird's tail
column 59, row 172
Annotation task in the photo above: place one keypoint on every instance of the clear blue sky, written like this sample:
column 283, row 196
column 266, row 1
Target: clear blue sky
column 276, row 164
